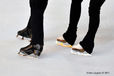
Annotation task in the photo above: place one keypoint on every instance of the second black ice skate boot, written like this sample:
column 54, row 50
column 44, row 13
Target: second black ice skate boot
column 31, row 49
column 26, row 32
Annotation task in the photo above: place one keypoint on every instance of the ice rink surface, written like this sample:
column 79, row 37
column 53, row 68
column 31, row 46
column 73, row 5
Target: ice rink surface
column 55, row 60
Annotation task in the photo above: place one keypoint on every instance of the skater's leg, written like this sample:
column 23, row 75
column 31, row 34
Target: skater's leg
column 94, row 17
column 70, row 34
column 37, row 11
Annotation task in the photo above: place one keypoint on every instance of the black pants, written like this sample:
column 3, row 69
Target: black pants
column 36, row 20
column 94, row 18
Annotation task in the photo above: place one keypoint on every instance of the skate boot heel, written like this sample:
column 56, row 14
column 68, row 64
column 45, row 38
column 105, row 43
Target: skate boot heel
column 37, row 53
column 37, row 49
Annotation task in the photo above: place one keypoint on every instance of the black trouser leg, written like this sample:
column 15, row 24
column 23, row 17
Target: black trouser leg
column 37, row 12
column 29, row 23
column 70, row 34
column 94, row 17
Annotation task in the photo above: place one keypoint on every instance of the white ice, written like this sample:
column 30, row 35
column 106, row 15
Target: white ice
column 55, row 60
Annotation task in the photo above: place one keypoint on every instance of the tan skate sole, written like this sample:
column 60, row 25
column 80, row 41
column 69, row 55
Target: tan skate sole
column 63, row 41
column 80, row 50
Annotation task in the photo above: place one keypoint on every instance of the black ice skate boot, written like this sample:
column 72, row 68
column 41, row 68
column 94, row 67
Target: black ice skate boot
column 26, row 32
column 31, row 49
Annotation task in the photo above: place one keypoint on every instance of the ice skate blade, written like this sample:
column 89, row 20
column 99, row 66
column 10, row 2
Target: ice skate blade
column 63, row 44
column 22, row 54
column 32, row 56
column 74, row 52
column 28, row 56
column 24, row 38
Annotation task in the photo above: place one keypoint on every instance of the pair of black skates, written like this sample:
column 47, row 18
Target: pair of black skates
column 30, row 49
